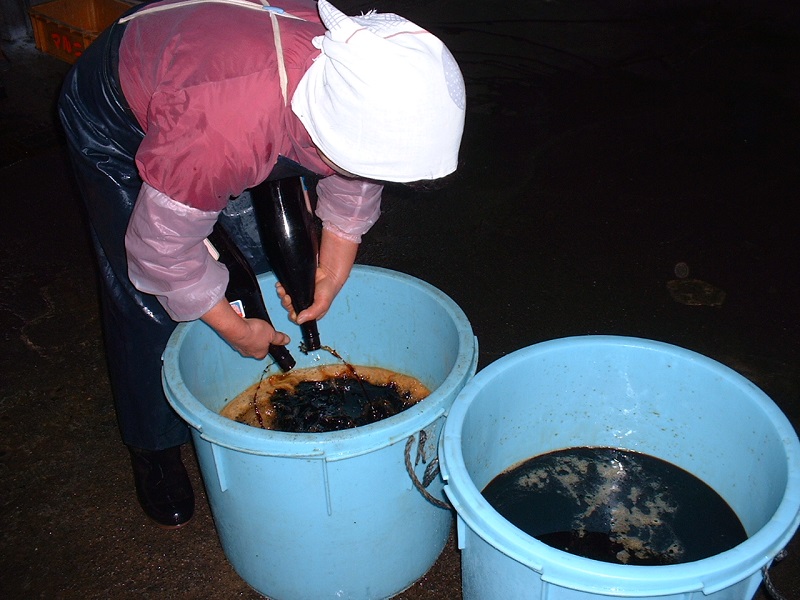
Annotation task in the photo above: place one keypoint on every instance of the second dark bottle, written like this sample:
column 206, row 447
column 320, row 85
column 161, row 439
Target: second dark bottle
column 243, row 291
column 290, row 243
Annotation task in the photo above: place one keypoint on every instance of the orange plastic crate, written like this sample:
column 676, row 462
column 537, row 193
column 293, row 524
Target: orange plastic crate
column 65, row 28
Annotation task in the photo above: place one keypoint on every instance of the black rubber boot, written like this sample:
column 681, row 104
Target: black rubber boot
column 163, row 486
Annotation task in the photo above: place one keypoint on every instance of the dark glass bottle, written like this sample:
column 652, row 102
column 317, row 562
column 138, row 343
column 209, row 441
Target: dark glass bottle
column 243, row 291
column 290, row 243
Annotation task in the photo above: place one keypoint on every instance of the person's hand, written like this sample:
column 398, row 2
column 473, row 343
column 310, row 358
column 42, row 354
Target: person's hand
column 326, row 286
column 249, row 337
column 255, row 339
column 336, row 258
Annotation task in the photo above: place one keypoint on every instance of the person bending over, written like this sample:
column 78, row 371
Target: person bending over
column 175, row 112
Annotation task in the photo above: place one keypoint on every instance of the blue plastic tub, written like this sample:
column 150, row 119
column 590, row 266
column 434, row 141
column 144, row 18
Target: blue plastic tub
column 329, row 515
column 631, row 394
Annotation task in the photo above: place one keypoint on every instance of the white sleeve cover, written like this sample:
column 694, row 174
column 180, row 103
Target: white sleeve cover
column 167, row 257
column 348, row 207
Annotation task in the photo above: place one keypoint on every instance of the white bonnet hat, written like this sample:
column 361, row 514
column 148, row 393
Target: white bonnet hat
column 384, row 100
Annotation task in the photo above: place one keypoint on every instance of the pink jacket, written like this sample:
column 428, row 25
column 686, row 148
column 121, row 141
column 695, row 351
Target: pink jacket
column 203, row 83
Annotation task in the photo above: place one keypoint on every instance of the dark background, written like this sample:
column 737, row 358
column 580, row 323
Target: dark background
column 627, row 168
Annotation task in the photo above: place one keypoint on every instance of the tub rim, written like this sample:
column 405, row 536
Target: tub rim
column 575, row 572
column 219, row 430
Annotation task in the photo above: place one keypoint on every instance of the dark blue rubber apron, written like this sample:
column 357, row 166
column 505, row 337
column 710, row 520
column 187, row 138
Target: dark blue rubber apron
column 102, row 137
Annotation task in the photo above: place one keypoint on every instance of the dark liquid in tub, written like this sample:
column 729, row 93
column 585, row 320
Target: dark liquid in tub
column 615, row 506
column 325, row 398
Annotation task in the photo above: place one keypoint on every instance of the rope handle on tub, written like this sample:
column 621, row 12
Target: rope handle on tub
column 431, row 471
column 768, row 585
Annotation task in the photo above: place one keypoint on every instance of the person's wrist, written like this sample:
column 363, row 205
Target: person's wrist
column 226, row 321
column 336, row 277
column 337, row 256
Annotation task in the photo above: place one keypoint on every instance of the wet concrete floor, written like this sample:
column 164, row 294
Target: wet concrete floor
column 628, row 168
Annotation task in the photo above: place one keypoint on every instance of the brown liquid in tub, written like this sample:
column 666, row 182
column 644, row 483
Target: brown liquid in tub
column 325, row 398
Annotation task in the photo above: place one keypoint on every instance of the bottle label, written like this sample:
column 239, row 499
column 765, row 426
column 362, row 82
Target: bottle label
column 238, row 307
column 211, row 250
column 304, row 187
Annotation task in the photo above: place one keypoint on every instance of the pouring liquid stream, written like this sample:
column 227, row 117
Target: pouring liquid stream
column 350, row 368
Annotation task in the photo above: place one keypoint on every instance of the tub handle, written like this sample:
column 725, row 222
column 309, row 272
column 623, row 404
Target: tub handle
column 431, row 471
column 768, row 585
